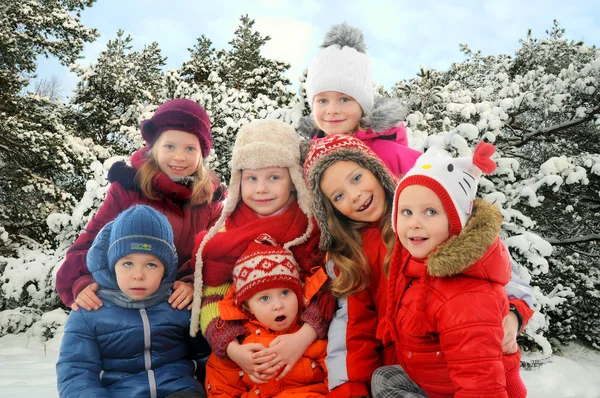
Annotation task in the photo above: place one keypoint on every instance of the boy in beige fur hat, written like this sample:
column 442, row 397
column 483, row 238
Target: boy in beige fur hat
column 267, row 195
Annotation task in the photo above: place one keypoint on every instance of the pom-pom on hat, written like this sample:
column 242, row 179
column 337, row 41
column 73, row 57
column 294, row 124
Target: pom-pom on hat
column 334, row 148
column 342, row 66
column 179, row 114
column 454, row 181
column 265, row 265
column 142, row 229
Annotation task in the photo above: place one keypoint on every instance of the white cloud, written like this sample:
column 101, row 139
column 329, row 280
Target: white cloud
column 292, row 41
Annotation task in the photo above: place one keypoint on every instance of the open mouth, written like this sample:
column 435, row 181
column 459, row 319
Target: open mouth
column 175, row 168
column 280, row 318
column 366, row 204
column 417, row 240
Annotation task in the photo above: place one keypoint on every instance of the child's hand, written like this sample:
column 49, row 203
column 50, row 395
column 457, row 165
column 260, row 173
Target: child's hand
column 87, row 299
column 510, row 324
column 183, row 294
column 288, row 348
column 241, row 354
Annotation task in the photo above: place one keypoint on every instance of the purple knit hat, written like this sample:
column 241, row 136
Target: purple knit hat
column 179, row 114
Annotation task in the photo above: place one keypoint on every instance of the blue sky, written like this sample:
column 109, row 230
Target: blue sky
column 401, row 35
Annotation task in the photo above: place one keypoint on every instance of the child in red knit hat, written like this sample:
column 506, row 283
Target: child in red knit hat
column 446, row 296
column 267, row 195
column 268, row 297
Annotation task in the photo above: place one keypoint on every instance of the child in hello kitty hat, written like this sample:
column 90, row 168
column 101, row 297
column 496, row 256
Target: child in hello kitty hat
column 446, row 297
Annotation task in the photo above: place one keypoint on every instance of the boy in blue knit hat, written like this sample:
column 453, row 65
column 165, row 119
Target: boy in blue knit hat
column 135, row 345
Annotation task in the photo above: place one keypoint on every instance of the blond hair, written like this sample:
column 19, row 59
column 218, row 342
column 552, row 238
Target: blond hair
column 202, row 189
column 348, row 253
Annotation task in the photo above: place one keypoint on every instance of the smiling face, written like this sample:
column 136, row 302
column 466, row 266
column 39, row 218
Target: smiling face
column 177, row 153
column 354, row 191
column 268, row 190
column 139, row 275
column 421, row 224
column 336, row 113
column 275, row 309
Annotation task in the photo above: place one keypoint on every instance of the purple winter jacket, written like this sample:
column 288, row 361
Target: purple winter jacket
column 124, row 192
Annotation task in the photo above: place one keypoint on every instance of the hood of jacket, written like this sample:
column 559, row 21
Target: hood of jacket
column 474, row 251
column 384, row 119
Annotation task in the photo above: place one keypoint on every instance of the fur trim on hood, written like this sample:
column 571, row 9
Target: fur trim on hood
column 461, row 251
column 386, row 114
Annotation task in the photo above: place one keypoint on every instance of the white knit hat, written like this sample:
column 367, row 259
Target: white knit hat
column 342, row 66
column 454, row 181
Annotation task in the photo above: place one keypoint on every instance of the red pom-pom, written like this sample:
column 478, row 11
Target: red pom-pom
column 482, row 157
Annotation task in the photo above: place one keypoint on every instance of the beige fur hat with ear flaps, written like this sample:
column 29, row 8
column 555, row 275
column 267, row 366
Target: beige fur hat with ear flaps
column 259, row 144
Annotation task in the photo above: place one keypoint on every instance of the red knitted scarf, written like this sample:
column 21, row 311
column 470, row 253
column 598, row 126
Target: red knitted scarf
column 243, row 226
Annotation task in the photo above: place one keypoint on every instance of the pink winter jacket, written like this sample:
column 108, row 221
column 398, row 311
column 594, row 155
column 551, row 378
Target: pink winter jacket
column 386, row 134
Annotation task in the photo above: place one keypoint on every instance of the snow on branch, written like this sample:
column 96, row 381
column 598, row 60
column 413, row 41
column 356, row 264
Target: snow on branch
column 572, row 241
column 571, row 123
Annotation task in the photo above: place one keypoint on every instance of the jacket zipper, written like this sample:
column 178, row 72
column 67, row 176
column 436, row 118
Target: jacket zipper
column 147, row 353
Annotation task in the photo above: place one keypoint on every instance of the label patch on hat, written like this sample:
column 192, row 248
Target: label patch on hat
column 147, row 247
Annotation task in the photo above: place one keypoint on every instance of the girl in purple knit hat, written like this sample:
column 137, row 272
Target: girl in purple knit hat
column 169, row 175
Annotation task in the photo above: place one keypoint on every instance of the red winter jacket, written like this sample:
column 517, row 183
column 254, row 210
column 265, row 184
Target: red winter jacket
column 445, row 313
column 354, row 352
column 124, row 192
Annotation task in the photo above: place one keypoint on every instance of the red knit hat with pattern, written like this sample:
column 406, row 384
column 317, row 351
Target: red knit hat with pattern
column 265, row 265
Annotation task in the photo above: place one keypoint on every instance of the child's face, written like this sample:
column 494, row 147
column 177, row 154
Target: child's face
column 268, row 190
column 274, row 308
column 177, row 153
column 422, row 224
column 336, row 113
column 139, row 275
column 354, row 191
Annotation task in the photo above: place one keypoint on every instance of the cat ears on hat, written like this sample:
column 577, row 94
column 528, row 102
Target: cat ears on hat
column 482, row 156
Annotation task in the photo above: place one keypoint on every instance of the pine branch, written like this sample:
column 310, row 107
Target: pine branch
column 573, row 241
column 553, row 129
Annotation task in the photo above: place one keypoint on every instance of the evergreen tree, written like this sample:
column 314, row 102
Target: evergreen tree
column 203, row 61
column 121, row 78
column 29, row 28
column 244, row 68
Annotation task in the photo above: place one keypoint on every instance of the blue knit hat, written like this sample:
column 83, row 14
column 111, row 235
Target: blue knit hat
column 141, row 229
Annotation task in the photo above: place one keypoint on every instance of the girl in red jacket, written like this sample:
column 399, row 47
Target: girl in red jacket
column 446, row 300
column 267, row 195
column 268, row 298
column 352, row 197
column 168, row 175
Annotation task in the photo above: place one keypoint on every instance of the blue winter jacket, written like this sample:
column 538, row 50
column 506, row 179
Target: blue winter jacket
column 125, row 352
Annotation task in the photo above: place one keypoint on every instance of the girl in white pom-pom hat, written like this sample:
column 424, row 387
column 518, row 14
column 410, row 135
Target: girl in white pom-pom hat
column 446, row 296
column 339, row 89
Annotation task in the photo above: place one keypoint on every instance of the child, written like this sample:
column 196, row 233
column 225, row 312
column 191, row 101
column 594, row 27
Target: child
column 267, row 194
column 353, row 196
column 339, row 88
column 135, row 345
column 446, row 300
column 353, row 209
column 168, row 175
column 267, row 296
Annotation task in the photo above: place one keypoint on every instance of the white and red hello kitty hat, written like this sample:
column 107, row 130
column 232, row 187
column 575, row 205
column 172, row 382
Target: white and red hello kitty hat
column 454, row 181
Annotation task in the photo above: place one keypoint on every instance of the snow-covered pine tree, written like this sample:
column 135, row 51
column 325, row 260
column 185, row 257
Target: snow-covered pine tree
column 29, row 28
column 202, row 62
column 244, row 68
column 120, row 81
column 540, row 108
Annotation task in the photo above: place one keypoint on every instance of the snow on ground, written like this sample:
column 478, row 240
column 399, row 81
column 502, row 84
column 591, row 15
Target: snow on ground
column 27, row 371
